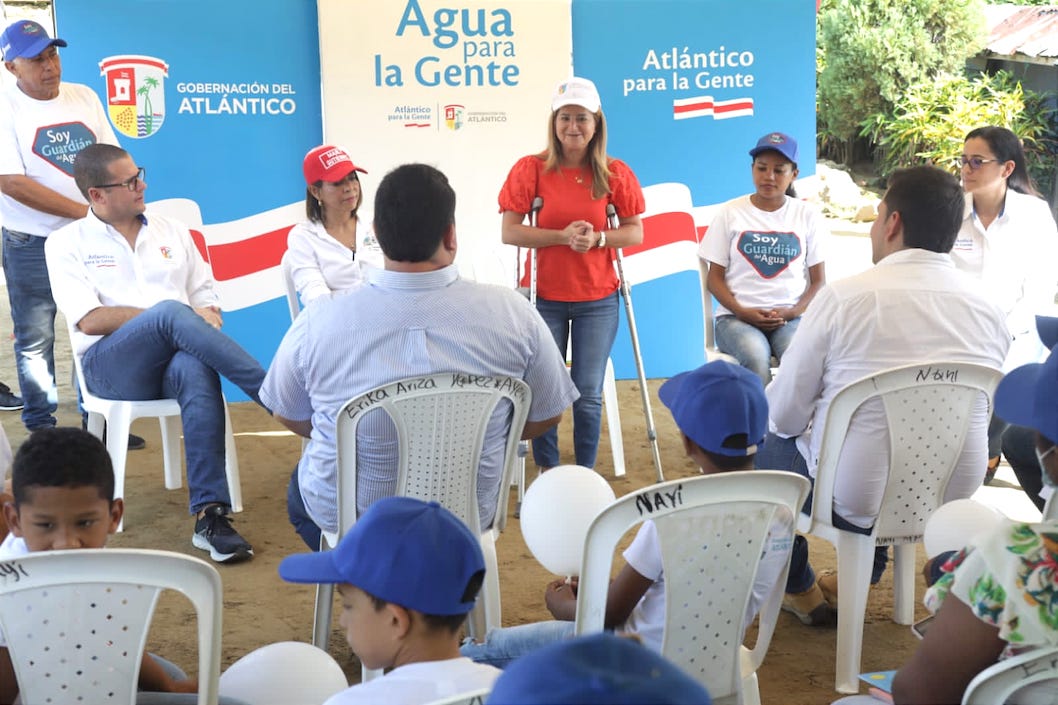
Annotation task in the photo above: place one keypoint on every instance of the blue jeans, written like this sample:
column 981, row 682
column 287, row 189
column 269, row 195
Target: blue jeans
column 33, row 316
column 1019, row 447
column 505, row 644
column 780, row 453
column 593, row 325
column 753, row 347
column 170, row 352
column 299, row 517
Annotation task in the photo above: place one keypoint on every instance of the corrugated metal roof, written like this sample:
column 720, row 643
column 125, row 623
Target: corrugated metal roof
column 1027, row 31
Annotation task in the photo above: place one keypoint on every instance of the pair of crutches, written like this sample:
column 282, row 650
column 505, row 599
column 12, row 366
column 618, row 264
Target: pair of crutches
column 612, row 223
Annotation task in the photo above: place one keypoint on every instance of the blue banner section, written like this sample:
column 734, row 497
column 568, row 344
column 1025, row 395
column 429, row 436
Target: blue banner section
column 219, row 101
column 687, row 88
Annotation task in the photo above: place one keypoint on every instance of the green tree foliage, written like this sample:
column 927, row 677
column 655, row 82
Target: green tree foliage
column 932, row 119
column 873, row 51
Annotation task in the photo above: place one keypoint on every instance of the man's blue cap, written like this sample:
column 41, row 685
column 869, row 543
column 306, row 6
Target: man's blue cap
column 719, row 406
column 412, row 553
column 26, row 39
column 599, row 668
column 1028, row 395
column 777, row 142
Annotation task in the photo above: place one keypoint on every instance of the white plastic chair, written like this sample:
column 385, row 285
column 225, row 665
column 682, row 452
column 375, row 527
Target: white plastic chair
column 440, row 421
column 76, row 622
column 472, row 697
column 712, row 530
column 1001, row 681
column 708, row 316
column 115, row 416
column 928, row 408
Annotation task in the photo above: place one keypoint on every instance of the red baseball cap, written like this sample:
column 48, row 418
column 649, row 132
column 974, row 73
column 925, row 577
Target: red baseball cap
column 328, row 163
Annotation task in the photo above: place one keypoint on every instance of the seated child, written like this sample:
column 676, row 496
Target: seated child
column 408, row 573
column 597, row 668
column 722, row 414
column 63, row 487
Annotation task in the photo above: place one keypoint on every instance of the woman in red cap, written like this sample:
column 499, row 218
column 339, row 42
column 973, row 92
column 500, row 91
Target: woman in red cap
column 576, row 283
column 330, row 251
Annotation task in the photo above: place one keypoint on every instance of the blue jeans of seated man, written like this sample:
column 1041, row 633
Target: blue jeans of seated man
column 146, row 697
column 307, row 529
column 33, row 317
column 779, row 453
column 170, row 352
column 1019, row 447
column 751, row 346
column 505, row 644
column 593, row 327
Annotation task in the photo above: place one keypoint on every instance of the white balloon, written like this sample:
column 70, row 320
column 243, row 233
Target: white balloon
column 556, row 511
column 284, row 673
column 951, row 527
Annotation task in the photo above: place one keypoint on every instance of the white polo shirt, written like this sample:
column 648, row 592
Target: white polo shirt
column 90, row 264
column 319, row 264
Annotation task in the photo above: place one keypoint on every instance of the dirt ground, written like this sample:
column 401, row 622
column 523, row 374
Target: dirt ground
column 261, row 609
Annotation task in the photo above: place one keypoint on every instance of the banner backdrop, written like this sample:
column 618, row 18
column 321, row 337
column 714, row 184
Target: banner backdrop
column 688, row 86
column 464, row 86
column 219, row 101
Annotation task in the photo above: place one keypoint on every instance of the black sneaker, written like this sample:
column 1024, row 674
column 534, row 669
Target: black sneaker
column 213, row 533
column 135, row 442
column 9, row 401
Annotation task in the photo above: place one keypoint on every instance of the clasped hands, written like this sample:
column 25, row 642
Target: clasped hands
column 580, row 235
column 211, row 315
column 767, row 319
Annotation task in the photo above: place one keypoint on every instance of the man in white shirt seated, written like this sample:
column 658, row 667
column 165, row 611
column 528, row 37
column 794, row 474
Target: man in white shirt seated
column 913, row 307
column 147, row 326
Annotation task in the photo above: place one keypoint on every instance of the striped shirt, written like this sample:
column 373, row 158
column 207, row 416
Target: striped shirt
column 400, row 325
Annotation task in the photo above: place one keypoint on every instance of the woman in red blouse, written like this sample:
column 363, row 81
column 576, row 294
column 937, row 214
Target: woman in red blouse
column 576, row 283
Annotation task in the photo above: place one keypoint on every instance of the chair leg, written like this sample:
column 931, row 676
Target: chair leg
column 613, row 420
column 231, row 463
column 491, row 589
column 855, row 558
column 750, row 690
column 519, row 476
column 904, row 583
column 174, row 475
column 117, row 427
column 321, row 620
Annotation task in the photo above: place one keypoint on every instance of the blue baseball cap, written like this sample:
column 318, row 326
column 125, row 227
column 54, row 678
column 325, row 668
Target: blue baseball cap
column 26, row 39
column 402, row 550
column 599, row 668
column 777, row 142
column 1047, row 327
column 719, row 406
column 1028, row 396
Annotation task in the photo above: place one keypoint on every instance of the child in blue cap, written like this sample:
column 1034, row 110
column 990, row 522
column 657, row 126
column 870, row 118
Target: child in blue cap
column 722, row 415
column 408, row 573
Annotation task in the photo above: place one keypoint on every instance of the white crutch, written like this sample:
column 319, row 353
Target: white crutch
column 626, row 294
column 523, row 446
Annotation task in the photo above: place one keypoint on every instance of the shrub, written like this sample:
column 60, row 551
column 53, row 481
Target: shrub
column 931, row 121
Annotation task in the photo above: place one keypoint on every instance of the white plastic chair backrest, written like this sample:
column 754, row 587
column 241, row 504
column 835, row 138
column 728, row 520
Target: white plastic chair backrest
column 76, row 621
column 999, row 682
column 473, row 697
column 440, row 420
column 712, row 530
column 707, row 306
column 293, row 304
column 928, row 408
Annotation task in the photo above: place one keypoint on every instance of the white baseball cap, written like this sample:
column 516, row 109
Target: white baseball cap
column 576, row 91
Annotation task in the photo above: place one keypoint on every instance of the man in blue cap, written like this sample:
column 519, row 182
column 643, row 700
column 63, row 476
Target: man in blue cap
column 44, row 124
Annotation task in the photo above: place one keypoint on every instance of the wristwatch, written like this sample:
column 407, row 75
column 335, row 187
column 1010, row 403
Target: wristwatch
column 602, row 239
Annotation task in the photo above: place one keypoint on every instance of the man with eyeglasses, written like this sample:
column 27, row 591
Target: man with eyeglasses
column 147, row 326
column 44, row 123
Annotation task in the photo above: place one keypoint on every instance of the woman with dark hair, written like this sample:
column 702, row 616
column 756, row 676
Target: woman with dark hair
column 329, row 251
column 1009, row 240
column 765, row 259
column 576, row 283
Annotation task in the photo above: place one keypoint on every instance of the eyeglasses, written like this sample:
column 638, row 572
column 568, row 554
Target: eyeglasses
column 975, row 163
column 131, row 184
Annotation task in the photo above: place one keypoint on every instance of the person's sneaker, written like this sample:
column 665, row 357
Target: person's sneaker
column 828, row 585
column 810, row 607
column 214, row 533
column 136, row 442
column 9, row 401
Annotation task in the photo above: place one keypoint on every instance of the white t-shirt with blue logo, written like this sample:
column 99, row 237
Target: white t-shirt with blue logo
column 766, row 253
column 40, row 139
